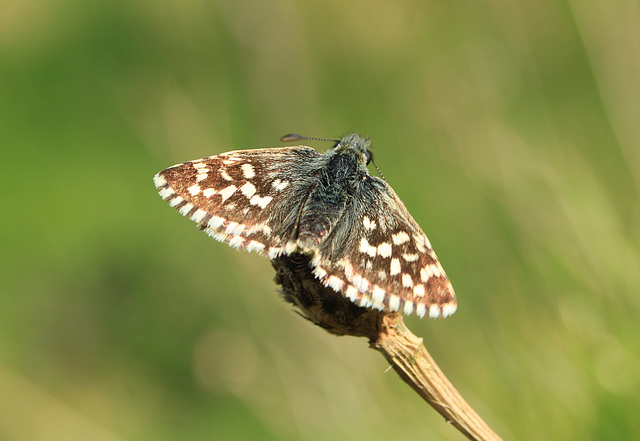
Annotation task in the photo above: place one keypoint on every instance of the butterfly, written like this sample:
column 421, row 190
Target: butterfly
column 359, row 237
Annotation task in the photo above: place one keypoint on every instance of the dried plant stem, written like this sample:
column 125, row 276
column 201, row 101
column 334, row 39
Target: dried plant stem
column 411, row 360
column 387, row 333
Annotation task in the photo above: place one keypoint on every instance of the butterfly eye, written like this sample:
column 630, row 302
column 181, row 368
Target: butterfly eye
column 368, row 156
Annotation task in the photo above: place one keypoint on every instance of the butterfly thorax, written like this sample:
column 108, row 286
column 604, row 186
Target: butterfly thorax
column 339, row 181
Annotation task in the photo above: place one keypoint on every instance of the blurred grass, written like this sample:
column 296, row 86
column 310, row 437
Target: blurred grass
column 509, row 129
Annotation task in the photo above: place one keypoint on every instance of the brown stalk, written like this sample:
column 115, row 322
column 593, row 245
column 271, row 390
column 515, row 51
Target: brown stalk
column 408, row 356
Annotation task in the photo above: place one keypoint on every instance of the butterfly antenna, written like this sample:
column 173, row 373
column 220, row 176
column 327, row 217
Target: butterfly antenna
column 295, row 137
column 377, row 168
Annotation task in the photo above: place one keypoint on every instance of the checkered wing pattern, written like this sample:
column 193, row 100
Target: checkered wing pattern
column 378, row 256
column 247, row 198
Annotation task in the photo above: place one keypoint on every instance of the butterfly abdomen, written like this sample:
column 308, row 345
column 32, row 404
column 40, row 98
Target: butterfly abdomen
column 320, row 214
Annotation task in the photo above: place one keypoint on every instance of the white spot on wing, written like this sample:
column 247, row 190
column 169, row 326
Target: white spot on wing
column 348, row 269
column 248, row 189
column 430, row 270
column 384, row 249
column 351, row 293
column 377, row 295
column 202, row 173
column 434, row 311
column 418, row 291
column 224, row 174
column 360, row 283
column 208, row 192
column 255, row 246
column 175, row 201
column 198, row 215
column 230, row 227
column 235, row 228
column 368, row 223
column 280, row 185
column 400, row 238
column 395, row 267
column 194, row 189
column 364, row 284
column 407, row 281
column 260, row 201
column 159, row 180
column 394, row 302
column 335, row 283
column 228, row 192
column 274, row 252
column 215, row 222
column 236, row 241
column 408, row 307
column 290, row 247
column 186, row 208
column 248, row 171
column 320, row 273
column 366, row 248
column 166, row 192
column 448, row 309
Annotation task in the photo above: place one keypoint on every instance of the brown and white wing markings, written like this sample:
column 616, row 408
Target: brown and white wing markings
column 231, row 195
column 386, row 261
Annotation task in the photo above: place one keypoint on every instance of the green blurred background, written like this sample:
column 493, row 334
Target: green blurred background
column 510, row 129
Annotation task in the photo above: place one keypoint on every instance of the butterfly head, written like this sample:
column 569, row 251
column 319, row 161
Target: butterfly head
column 358, row 145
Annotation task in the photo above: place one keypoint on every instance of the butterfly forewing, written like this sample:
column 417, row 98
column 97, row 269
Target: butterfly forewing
column 248, row 198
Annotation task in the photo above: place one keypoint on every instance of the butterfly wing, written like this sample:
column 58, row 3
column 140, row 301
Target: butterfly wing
column 246, row 198
column 378, row 256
